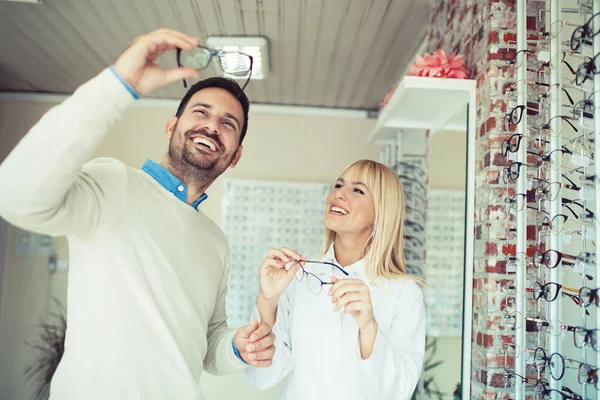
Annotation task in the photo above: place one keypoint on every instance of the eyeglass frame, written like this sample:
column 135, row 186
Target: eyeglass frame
column 307, row 274
column 565, row 203
column 585, row 33
column 544, row 258
column 509, row 175
column 508, row 145
column 586, row 70
column 217, row 53
column 547, row 362
column 515, row 115
column 591, row 292
column 541, row 360
column 541, row 290
column 592, row 378
column 588, row 337
column 510, row 378
column 542, row 389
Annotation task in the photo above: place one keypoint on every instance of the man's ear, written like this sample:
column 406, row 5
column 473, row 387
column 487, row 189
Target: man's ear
column 170, row 127
column 236, row 158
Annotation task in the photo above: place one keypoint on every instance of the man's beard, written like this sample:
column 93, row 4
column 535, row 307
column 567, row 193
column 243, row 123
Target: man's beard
column 190, row 163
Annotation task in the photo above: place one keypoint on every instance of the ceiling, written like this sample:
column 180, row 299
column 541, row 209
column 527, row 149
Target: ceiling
column 325, row 53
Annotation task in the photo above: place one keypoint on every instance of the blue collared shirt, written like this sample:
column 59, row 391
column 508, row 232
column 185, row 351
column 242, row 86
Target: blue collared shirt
column 170, row 182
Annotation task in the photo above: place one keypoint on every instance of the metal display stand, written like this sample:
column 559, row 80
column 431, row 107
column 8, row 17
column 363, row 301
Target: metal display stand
column 554, row 175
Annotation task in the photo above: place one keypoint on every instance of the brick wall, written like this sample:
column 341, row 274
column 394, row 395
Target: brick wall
column 483, row 31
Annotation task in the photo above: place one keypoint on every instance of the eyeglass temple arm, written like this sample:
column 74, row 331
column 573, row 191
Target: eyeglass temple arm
column 570, row 69
column 572, row 185
column 570, row 289
column 567, row 201
column 250, row 72
column 179, row 65
column 328, row 263
column 575, row 299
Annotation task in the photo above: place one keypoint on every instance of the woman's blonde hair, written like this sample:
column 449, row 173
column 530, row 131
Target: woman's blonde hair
column 383, row 253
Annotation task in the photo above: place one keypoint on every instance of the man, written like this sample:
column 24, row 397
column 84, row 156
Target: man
column 148, row 276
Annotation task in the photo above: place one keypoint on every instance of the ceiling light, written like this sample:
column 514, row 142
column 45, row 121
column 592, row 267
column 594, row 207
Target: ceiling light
column 254, row 46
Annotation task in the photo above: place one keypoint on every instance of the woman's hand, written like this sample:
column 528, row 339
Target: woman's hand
column 274, row 278
column 354, row 297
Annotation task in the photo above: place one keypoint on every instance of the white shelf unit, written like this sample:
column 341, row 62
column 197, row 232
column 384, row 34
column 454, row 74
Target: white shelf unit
column 421, row 103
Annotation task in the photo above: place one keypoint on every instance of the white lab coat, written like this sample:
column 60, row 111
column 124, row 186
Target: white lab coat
column 317, row 349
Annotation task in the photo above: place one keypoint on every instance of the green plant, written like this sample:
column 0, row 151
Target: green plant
column 457, row 395
column 429, row 386
column 47, row 353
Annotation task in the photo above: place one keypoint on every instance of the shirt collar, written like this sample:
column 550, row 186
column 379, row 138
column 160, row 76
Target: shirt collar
column 170, row 182
column 356, row 270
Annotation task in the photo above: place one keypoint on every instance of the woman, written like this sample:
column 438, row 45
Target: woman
column 352, row 324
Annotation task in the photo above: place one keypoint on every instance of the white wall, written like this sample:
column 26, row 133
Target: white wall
column 277, row 147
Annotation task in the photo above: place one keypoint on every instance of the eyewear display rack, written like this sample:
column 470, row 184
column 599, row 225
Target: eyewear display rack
column 551, row 195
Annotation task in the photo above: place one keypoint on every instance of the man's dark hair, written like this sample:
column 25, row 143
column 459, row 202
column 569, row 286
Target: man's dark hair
column 222, row 83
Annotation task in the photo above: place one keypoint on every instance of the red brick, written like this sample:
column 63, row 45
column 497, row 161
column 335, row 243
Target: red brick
column 505, row 282
column 488, row 341
column 511, row 128
column 491, row 124
column 493, row 177
column 463, row 13
column 531, row 232
column 493, row 37
column 502, row 54
column 498, row 105
column 497, row 380
column 507, row 302
column 496, row 394
column 503, row 20
column 509, row 38
column 478, row 232
column 502, row 4
column 486, row 161
column 531, row 249
column 507, row 339
column 493, row 322
column 484, row 376
column 507, row 89
column 450, row 16
column 482, row 283
column 491, row 249
column 501, row 361
column 509, row 249
column 500, row 160
column 532, row 159
column 496, row 267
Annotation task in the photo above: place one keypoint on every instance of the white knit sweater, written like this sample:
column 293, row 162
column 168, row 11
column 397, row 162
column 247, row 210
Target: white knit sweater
column 148, row 273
